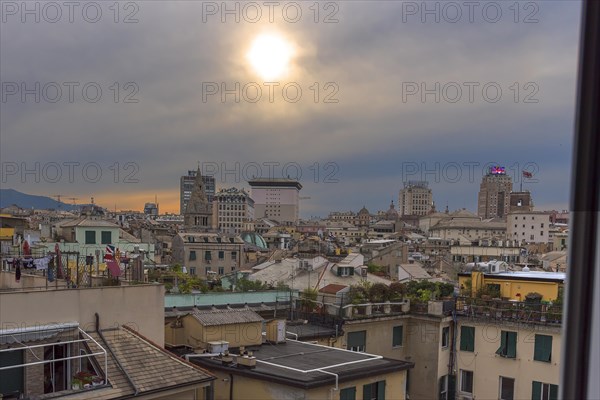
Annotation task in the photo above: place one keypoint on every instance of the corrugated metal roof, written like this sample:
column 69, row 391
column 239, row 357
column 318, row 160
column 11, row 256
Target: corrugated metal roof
column 226, row 317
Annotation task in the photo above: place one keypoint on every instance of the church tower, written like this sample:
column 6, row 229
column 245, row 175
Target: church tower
column 198, row 213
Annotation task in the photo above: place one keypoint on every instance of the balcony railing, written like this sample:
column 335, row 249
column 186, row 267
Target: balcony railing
column 507, row 311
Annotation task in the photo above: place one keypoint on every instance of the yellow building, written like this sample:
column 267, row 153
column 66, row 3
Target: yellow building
column 514, row 285
column 511, row 360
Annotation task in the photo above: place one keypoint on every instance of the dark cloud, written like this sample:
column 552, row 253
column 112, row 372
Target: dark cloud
column 369, row 134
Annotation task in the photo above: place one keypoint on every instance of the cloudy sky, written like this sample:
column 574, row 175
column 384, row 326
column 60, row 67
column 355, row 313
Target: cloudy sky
column 117, row 102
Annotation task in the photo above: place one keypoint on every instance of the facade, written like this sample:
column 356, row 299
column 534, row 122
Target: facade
column 151, row 209
column 528, row 226
column 206, row 254
column 507, row 360
column 235, row 209
column 494, row 194
column 507, row 251
column 415, row 199
column 186, row 184
column 276, row 198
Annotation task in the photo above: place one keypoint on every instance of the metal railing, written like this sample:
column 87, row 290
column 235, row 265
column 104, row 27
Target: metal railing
column 510, row 311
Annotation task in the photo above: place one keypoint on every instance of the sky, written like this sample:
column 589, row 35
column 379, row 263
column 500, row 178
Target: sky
column 117, row 100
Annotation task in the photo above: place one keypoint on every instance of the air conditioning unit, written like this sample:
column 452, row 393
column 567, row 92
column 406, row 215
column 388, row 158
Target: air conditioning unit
column 218, row 346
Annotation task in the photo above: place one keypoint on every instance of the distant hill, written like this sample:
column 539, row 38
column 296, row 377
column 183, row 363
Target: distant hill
column 9, row 197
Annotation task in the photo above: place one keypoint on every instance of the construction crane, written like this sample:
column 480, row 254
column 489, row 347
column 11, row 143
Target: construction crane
column 73, row 200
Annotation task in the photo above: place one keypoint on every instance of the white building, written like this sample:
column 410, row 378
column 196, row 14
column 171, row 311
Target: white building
column 528, row 227
column 276, row 198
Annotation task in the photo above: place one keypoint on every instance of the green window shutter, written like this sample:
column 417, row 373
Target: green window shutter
column 381, row 390
column 339, row 271
column 90, row 237
column 397, row 336
column 543, row 348
column 105, row 237
column 553, row 392
column 207, row 255
column 451, row 387
column 536, row 390
column 351, row 271
column 502, row 349
column 467, row 338
column 367, row 392
column 348, row 394
column 511, row 348
column 192, row 255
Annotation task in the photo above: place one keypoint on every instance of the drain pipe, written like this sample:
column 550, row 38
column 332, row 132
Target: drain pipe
column 230, row 386
column 112, row 353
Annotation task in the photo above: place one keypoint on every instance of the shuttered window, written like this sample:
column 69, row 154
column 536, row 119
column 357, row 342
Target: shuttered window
column 374, row 391
column 192, row 255
column 348, row 394
column 357, row 341
column 543, row 348
column 397, row 336
column 508, row 344
column 90, row 237
column 467, row 338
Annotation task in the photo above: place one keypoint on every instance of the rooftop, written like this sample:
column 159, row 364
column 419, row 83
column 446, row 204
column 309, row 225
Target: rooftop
column 302, row 364
column 277, row 182
column 226, row 317
column 529, row 275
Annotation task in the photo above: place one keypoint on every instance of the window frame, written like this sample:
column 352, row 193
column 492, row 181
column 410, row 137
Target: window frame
column 395, row 344
column 445, row 339
column 462, row 379
column 500, row 393
column 464, row 345
column 539, row 351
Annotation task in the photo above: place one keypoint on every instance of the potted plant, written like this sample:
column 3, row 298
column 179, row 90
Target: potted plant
column 82, row 379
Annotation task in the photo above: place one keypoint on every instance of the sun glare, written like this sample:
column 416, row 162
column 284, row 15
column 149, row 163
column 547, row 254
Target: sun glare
column 270, row 56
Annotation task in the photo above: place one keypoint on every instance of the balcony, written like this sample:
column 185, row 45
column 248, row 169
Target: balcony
column 510, row 311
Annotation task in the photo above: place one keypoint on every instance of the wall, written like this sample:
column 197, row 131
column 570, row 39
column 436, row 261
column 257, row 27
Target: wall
column 488, row 366
column 139, row 306
column 510, row 288
column 207, row 299
column 420, row 344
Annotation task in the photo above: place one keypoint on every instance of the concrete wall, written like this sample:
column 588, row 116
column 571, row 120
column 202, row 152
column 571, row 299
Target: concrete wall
column 421, row 344
column 139, row 306
column 252, row 389
column 487, row 366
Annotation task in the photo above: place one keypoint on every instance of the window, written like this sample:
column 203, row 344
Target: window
column 192, row 270
column 467, row 338
column 356, row 341
column 56, row 373
column 544, row 391
column 445, row 336
column 207, row 255
column 221, row 270
column 543, row 348
column 397, row 336
column 507, row 388
column 234, row 255
column 12, row 379
column 206, row 270
column 443, row 388
column 374, row 391
column 192, row 255
column 105, row 237
column 90, row 237
column 466, row 381
column 221, row 255
column 348, row 393
column 508, row 344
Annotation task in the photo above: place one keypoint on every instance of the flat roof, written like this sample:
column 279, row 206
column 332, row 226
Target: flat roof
column 308, row 357
column 275, row 182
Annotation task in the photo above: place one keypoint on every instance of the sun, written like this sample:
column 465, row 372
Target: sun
column 270, row 56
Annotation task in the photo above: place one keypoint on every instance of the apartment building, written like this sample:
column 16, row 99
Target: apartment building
column 528, row 226
column 235, row 209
